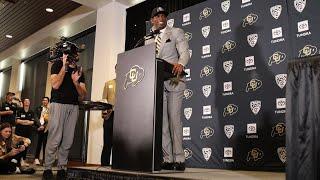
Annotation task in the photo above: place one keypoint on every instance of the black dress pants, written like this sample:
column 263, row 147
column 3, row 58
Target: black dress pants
column 107, row 140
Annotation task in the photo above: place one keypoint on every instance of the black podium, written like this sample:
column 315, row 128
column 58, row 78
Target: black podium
column 138, row 113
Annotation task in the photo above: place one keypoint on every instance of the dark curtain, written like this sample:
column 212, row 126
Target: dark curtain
column 6, row 76
column 303, row 119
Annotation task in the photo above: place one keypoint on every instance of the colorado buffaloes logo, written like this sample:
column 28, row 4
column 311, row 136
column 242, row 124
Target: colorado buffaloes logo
column 255, row 155
column 252, row 39
column 253, row 85
column 228, row 46
column 170, row 22
column 206, row 71
column 277, row 58
column 205, row 31
column 279, row 130
column 206, row 153
column 255, row 107
column 187, row 153
column 229, row 130
column 281, row 80
column 188, row 36
column 227, row 66
column 188, row 93
column 282, row 153
column 134, row 76
column 300, row 5
column 225, row 5
column 276, row 11
column 249, row 20
column 187, row 113
column 230, row 110
column 206, row 90
column 206, row 132
column 308, row 50
column 206, row 12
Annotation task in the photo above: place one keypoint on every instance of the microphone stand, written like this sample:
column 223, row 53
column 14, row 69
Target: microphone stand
column 147, row 37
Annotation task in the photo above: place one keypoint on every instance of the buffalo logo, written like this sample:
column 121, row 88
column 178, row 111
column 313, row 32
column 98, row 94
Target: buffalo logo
column 206, row 71
column 281, row 80
column 206, row 132
column 255, row 106
column 134, row 76
column 190, row 53
column 277, row 58
column 253, row 85
column 228, row 46
column 205, row 31
column 225, row 5
column 229, row 130
column 188, row 36
column 206, row 12
column 279, row 130
column 308, row 50
column 252, row 39
column 227, row 66
column 282, row 153
column 276, row 11
column 206, row 89
column 187, row 153
column 255, row 155
column 170, row 22
column 187, row 113
column 249, row 20
column 300, row 5
column 206, row 153
column 230, row 110
column 188, row 93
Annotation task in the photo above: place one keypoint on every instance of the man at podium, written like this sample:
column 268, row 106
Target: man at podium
column 172, row 46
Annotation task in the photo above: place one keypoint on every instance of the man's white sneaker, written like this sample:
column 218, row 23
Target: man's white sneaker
column 36, row 162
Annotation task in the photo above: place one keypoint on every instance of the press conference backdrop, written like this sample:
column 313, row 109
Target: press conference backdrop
column 234, row 105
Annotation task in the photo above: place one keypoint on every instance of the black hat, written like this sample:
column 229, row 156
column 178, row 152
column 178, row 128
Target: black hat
column 10, row 93
column 157, row 11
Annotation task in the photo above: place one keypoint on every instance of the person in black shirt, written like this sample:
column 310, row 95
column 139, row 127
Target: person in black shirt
column 8, row 110
column 67, row 88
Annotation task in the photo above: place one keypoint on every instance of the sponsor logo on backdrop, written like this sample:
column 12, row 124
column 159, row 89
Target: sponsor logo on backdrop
column 249, row 63
column 206, row 90
column 207, row 132
column 278, row 130
column 229, row 130
column 188, row 93
column 206, row 153
column 228, row 46
column 206, row 71
column 253, row 85
column 228, row 154
column 246, row 3
column 187, row 113
column 252, row 39
column 276, row 11
column 186, row 19
column 255, row 106
column 190, row 53
column 186, row 133
column 170, row 22
column 303, row 28
column 230, row 110
column 277, row 35
column 206, row 52
column 206, row 12
column 282, row 154
column 205, row 31
column 308, row 50
column 227, row 66
column 188, row 36
column 227, row 89
column 225, row 26
column 133, row 77
column 250, row 20
column 281, row 80
column 188, row 76
column 277, row 58
column 300, row 5
column 206, row 111
column 187, row 153
column 280, row 105
column 252, row 131
column 255, row 155
column 225, row 6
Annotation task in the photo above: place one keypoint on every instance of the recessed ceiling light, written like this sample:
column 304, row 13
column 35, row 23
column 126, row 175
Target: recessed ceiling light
column 49, row 10
column 9, row 36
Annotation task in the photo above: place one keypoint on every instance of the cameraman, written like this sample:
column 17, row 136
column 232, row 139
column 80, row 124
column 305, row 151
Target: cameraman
column 67, row 88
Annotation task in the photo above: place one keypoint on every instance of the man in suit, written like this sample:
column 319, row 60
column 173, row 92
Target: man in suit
column 172, row 46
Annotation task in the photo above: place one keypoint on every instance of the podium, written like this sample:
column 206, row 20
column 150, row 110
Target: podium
column 137, row 129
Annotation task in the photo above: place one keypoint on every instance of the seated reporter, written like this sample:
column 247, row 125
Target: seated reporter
column 11, row 149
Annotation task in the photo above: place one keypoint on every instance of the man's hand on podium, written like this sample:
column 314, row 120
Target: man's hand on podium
column 177, row 69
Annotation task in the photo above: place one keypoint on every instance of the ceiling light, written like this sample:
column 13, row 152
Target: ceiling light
column 49, row 10
column 9, row 36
